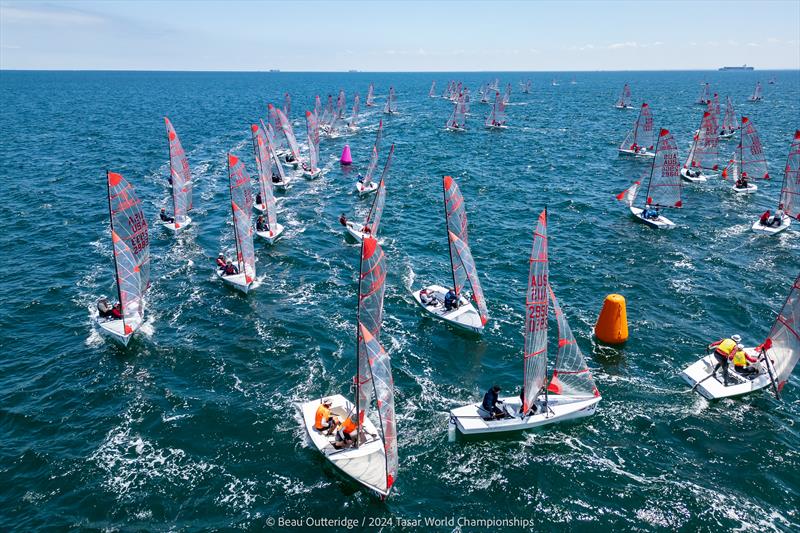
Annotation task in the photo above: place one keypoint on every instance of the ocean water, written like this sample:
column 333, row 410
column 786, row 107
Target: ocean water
column 193, row 426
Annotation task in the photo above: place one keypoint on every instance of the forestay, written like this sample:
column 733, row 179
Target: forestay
column 571, row 376
column 131, row 249
column 783, row 343
column 664, row 187
column 181, row 177
column 264, row 164
column 751, row 153
column 535, row 356
column 242, row 208
column 790, row 190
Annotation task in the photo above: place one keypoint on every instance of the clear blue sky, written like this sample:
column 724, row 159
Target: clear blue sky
column 399, row 36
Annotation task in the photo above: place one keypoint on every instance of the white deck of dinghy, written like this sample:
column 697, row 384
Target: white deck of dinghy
column 661, row 222
column 698, row 375
column 465, row 317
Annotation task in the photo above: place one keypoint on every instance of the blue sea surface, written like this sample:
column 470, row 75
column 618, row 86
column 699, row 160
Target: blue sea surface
column 194, row 425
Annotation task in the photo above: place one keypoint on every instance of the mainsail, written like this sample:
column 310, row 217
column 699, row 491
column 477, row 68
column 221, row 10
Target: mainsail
column 370, row 96
column 390, row 105
column 312, row 129
column 286, row 127
column 790, row 190
column 458, row 117
column 641, row 135
column 498, row 114
column 432, row 92
column 751, row 153
column 730, row 123
column 373, row 160
column 507, row 96
column 354, row 118
column 703, row 98
column 287, row 105
column 756, row 92
column 264, row 164
column 535, row 356
column 275, row 122
column 131, row 249
column 664, row 187
column 571, row 376
column 625, row 97
column 270, row 135
column 705, row 147
column 317, row 107
column 374, row 376
column 373, row 220
column 783, row 343
column 242, row 208
column 341, row 102
column 180, row 176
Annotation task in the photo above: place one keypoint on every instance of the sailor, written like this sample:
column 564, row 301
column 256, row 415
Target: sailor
column 221, row 260
column 116, row 311
column 290, row 157
column 490, row 401
column 276, row 178
column 261, row 224
column 165, row 218
column 450, row 300
column 426, row 297
column 765, row 218
column 648, row 212
column 777, row 218
column 230, row 269
column 723, row 353
column 343, row 220
column 323, row 419
column 742, row 362
column 104, row 307
column 258, row 199
column 360, row 178
column 346, row 433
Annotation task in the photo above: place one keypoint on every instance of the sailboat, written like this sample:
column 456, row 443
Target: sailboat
column 287, row 105
column 526, row 86
column 703, row 153
column 432, row 92
column 280, row 142
column 789, row 201
column 663, row 186
column 310, row 170
column 267, row 204
column 639, row 141
column 463, row 315
column 756, row 96
column 497, row 118
column 371, row 224
column 131, row 259
column 391, row 107
column 372, row 460
column 484, row 94
column 570, row 393
column 507, row 95
column 370, row 96
column 279, row 179
column 242, row 213
column 292, row 157
column 703, row 99
column 353, row 124
column 777, row 357
column 364, row 184
column 748, row 162
column 730, row 124
column 624, row 101
column 180, row 179
column 458, row 118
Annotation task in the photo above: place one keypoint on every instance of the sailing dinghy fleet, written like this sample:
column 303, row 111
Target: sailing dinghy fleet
column 358, row 434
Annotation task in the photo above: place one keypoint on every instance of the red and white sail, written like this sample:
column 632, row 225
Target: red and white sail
column 374, row 378
column 390, row 107
column 641, row 136
column 317, row 107
column 180, row 177
column 371, row 96
column 629, row 194
column 625, row 97
column 269, row 133
column 783, row 343
column 275, row 122
column 571, row 375
column 790, row 190
column 242, row 209
column 756, row 92
column 752, row 159
column 286, row 127
column 715, row 110
column 536, row 302
column 373, row 160
column 498, row 115
column 665, row 185
column 705, row 146
column 458, row 118
column 731, row 122
column 131, row 249
column 354, row 116
column 264, row 165
column 312, row 129
column 341, row 102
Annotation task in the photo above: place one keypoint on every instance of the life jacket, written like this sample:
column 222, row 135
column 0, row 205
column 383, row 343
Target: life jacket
column 348, row 426
column 220, row 263
column 323, row 413
column 726, row 347
column 740, row 358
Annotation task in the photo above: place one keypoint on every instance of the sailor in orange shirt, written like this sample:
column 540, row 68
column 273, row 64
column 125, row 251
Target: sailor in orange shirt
column 346, row 433
column 323, row 419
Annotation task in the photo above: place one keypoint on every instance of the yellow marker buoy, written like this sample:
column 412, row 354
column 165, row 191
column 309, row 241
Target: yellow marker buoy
column 612, row 324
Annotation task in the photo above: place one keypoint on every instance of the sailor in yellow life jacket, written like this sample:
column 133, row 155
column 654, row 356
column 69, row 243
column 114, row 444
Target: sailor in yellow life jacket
column 724, row 350
column 742, row 362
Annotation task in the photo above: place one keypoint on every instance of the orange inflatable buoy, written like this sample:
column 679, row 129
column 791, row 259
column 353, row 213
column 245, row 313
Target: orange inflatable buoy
column 612, row 324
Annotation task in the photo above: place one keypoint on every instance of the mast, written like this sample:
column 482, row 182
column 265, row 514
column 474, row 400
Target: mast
column 116, row 265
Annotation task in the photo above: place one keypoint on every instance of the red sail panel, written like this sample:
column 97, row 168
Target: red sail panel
column 664, row 188
column 783, row 343
column 790, row 190
column 181, row 177
column 131, row 249
column 264, row 165
column 536, row 302
column 242, row 209
column 571, row 375
column 753, row 161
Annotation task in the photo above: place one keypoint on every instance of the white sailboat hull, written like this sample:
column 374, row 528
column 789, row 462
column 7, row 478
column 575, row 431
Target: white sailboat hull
column 115, row 330
column 271, row 236
column 771, row 230
column 364, row 190
column 177, row 227
column 496, row 127
column 726, row 136
column 282, row 185
column 750, row 189
column 465, row 316
column 473, row 419
column 661, row 222
column 700, row 178
column 365, row 464
column 237, row 281
column 354, row 230
column 623, row 107
column 314, row 175
column 699, row 376
column 641, row 153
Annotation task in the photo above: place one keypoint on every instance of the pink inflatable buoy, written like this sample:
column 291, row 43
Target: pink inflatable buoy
column 346, row 159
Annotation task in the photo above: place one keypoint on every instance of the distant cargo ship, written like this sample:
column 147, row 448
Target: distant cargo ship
column 743, row 67
column 274, row 70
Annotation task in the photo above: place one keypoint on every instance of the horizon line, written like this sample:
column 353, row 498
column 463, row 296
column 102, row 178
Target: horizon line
column 356, row 71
